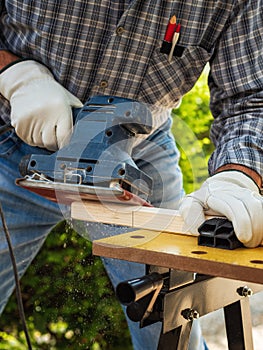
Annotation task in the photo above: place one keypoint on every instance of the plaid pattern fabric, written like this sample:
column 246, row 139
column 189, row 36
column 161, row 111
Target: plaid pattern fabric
column 113, row 47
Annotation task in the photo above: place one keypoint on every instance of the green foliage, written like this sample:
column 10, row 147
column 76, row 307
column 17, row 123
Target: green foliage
column 68, row 299
column 191, row 126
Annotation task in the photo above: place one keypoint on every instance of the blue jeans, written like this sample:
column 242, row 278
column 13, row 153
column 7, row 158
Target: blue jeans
column 30, row 218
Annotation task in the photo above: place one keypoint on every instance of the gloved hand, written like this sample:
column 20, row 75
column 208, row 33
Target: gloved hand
column 41, row 109
column 233, row 195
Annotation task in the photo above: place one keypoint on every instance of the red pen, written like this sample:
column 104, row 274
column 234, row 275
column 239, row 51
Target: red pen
column 174, row 41
column 170, row 29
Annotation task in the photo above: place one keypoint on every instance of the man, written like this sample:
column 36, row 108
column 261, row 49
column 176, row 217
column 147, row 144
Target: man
column 58, row 53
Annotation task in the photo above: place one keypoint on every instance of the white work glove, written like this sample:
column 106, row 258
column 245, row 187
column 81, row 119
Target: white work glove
column 41, row 109
column 233, row 195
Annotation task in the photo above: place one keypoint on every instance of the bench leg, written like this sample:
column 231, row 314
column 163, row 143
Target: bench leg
column 176, row 339
column 238, row 325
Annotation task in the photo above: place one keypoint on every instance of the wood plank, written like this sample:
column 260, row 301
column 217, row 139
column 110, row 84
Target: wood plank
column 158, row 219
column 149, row 218
column 183, row 253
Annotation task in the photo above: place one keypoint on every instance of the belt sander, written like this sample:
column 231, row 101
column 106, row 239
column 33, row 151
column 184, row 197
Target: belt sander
column 97, row 162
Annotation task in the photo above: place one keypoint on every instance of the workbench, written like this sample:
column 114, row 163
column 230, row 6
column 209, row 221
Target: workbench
column 195, row 280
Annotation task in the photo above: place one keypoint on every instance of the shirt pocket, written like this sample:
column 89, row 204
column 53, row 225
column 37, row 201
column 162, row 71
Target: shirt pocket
column 166, row 82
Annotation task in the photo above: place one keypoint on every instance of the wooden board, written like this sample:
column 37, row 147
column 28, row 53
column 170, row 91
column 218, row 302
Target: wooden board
column 150, row 218
column 158, row 219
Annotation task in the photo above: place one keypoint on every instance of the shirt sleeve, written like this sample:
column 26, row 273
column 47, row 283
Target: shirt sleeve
column 2, row 10
column 236, row 86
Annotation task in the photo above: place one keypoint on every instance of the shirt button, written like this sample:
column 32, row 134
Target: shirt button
column 103, row 84
column 120, row 30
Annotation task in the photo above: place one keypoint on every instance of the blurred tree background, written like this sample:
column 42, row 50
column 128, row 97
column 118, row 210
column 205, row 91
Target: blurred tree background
column 68, row 299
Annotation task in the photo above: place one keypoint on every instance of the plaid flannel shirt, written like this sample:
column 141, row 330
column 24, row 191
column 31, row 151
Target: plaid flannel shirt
column 113, row 47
